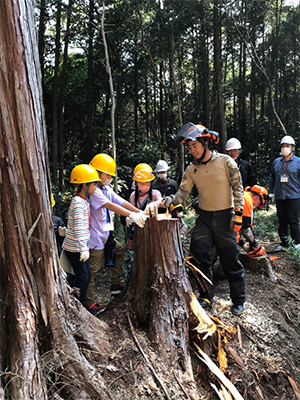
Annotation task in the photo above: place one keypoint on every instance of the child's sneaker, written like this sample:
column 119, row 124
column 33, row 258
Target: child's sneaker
column 96, row 308
column 116, row 289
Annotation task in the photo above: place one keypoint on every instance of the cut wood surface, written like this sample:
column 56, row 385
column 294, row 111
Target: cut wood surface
column 260, row 264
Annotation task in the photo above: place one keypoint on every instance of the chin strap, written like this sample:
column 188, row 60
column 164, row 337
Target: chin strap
column 204, row 152
column 205, row 146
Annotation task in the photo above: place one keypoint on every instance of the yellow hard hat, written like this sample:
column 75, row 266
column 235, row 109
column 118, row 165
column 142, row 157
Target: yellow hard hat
column 52, row 200
column 104, row 163
column 84, row 173
column 143, row 173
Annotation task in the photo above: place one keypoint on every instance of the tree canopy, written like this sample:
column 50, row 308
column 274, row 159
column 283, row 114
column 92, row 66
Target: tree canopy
column 167, row 70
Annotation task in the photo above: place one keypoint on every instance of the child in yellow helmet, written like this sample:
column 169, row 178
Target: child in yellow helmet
column 104, row 202
column 144, row 195
column 76, row 243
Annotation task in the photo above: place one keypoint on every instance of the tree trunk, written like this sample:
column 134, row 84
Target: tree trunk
column 220, row 123
column 44, row 332
column 204, row 68
column 111, row 90
column 62, row 97
column 55, row 101
column 90, row 85
column 160, row 291
column 41, row 35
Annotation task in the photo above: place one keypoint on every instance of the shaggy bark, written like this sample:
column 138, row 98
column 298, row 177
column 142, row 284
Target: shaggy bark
column 45, row 334
column 161, row 293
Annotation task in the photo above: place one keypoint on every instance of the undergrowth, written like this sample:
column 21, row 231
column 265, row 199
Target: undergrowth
column 265, row 224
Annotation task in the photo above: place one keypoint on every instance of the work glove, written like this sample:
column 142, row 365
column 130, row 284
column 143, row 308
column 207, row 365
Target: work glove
column 257, row 252
column 138, row 218
column 128, row 221
column 62, row 231
column 150, row 208
column 237, row 220
column 84, row 255
column 272, row 197
column 167, row 201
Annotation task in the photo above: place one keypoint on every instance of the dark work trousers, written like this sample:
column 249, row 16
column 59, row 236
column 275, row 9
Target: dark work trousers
column 288, row 213
column 213, row 229
column 82, row 272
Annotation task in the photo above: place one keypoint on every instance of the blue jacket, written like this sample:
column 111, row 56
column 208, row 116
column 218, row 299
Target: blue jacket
column 289, row 169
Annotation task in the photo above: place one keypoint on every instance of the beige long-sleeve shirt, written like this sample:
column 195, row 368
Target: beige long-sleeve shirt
column 218, row 182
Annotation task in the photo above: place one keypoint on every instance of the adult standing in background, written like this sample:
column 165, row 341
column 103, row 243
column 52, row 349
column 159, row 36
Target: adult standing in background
column 234, row 149
column 165, row 185
column 284, row 184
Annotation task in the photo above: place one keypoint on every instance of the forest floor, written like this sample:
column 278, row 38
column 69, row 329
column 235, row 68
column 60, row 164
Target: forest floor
column 263, row 357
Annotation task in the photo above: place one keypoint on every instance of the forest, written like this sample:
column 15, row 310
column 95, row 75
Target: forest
column 122, row 77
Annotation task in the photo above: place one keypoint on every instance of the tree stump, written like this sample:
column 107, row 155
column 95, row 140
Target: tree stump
column 160, row 288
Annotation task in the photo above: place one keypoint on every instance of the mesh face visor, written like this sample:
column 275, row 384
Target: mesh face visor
column 192, row 132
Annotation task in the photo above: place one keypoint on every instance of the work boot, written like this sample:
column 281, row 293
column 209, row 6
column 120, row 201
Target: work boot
column 204, row 302
column 96, row 309
column 237, row 309
column 116, row 289
column 281, row 248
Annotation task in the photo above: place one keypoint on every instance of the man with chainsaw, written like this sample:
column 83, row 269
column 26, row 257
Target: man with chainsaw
column 254, row 197
column 220, row 193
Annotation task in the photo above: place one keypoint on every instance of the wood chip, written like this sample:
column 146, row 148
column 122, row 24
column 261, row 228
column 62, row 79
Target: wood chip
column 239, row 336
column 233, row 354
column 219, row 374
column 294, row 386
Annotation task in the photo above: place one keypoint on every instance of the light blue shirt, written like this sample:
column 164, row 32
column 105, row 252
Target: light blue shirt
column 284, row 179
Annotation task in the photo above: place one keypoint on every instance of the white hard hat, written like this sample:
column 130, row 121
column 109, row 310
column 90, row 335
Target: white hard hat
column 233, row 144
column 161, row 166
column 287, row 140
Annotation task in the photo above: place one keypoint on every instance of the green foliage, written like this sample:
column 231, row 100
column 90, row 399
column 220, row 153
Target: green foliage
column 293, row 253
column 189, row 218
column 265, row 224
column 163, row 62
